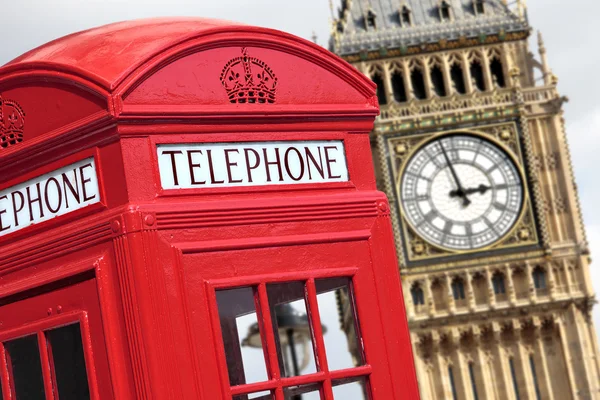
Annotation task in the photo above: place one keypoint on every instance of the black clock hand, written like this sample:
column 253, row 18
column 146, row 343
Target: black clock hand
column 460, row 192
column 481, row 189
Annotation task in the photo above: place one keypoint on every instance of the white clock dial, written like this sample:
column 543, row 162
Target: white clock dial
column 461, row 192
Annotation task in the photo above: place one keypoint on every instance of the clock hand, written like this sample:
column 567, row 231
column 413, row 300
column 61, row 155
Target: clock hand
column 460, row 192
column 481, row 189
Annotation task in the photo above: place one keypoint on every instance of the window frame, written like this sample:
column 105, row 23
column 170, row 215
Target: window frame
column 275, row 383
column 458, row 289
column 539, row 278
column 479, row 4
column 39, row 328
column 445, row 10
column 418, row 296
column 498, row 283
column 405, row 11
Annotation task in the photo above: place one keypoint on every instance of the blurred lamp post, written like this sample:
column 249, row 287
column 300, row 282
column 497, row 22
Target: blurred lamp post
column 294, row 329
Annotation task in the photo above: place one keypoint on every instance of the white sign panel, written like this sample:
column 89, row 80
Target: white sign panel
column 186, row 166
column 48, row 196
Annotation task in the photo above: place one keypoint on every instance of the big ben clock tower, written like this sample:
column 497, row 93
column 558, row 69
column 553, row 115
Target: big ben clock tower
column 472, row 152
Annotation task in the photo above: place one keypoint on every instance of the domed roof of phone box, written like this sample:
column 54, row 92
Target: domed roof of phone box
column 107, row 54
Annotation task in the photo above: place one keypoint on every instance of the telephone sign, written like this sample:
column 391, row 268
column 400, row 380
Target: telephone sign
column 251, row 164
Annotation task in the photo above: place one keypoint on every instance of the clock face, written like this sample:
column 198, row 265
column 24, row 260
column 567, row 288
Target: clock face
column 461, row 192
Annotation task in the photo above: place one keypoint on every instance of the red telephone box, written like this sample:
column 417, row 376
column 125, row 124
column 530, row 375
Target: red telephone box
column 163, row 180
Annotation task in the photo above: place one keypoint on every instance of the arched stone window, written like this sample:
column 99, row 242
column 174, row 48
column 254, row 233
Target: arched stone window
column 418, row 296
column 417, row 79
column 399, row 87
column 477, row 75
column 377, row 78
column 445, row 11
column 458, row 289
column 497, row 71
column 437, row 80
column 498, row 283
column 457, row 75
column 405, row 16
column 539, row 278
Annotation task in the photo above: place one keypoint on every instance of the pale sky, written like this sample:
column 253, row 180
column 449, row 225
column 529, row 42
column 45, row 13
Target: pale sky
column 570, row 30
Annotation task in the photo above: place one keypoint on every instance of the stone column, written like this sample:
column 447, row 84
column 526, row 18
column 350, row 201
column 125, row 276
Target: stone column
column 462, row 380
column 543, row 376
column 587, row 381
column 427, row 77
column 510, row 286
column 410, row 95
column 441, row 367
column 470, row 293
column 447, row 77
column 490, row 288
column 485, row 392
column 551, row 280
column 530, row 283
column 567, row 357
column 387, row 83
column 451, row 302
column 568, row 280
column 548, row 180
column 487, row 75
column 429, row 298
column 422, row 377
column 594, row 343
column 527, row 392
column 408, row 299
column 502, row 362
column 467, row 73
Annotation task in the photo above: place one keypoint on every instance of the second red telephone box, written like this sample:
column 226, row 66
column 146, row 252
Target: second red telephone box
column 187, row 210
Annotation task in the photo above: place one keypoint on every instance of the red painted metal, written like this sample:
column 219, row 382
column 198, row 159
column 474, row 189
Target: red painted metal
column 139, row 269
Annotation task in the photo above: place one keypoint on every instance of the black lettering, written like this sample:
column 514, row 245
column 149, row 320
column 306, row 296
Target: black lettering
column 47, row 197
column 286, row 159
column 15, row 208
column 192, row 166
column 173, row 164
column 276, row 162
column 230, row 164
column 256, row 162
column 330, row 161
column 3, row 211
column 74, row 190
column 30, row 202
column 211, row 169
column 84, row 181
column 309, row 158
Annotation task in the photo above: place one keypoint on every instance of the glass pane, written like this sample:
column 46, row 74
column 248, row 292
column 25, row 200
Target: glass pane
column 66, row 347
column 241, row 336
column 294, row 342
column 255, row 396
column 305, row 392
column 25, row 367
column 336, row 307
column 350, row 389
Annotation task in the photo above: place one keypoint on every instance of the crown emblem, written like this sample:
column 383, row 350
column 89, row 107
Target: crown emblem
column 249, row 80
column 12, row 123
